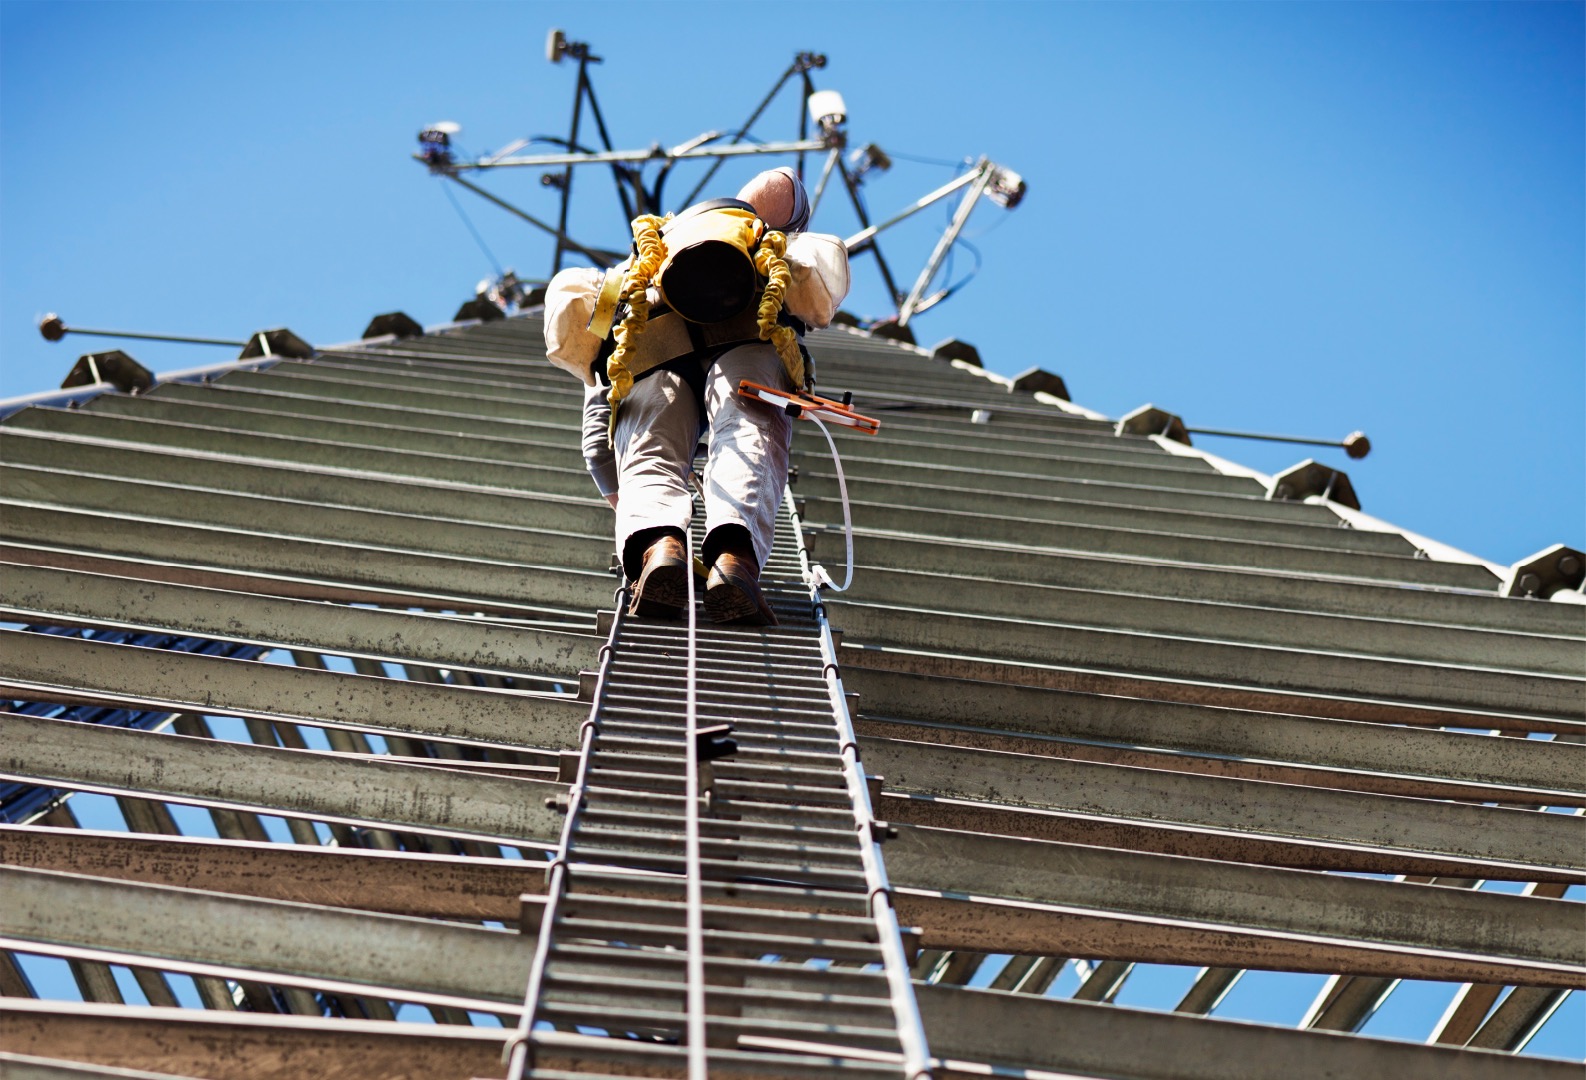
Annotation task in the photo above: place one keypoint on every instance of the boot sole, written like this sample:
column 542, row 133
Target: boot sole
column 662, row 590
column 727, row 601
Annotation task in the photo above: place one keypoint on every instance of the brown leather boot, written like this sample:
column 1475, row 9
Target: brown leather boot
column 662, row 589
column 732, row 594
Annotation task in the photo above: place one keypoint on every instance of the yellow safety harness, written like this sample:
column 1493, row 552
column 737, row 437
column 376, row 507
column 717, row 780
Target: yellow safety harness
column 653, row 263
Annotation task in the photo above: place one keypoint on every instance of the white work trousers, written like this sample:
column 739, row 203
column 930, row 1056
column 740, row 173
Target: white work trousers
column 745, row 474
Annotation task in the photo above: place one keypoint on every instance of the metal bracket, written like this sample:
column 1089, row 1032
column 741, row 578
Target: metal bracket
column 398, row 324
column 1311, row 477
column 954, row 349
column 279, row 342
column 711, row 743
column 531, row 912
column 114, row 367
column 567, row 765
column 1039, row 380
column 874, row 785
column 480, row 309
column 1150, row 420
column 1551, row 570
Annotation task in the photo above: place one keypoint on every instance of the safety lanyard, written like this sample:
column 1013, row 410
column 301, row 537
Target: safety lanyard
column 805, row 406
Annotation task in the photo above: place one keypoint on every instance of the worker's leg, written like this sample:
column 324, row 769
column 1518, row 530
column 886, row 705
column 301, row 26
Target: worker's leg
column 745, row 477
column 657, row 430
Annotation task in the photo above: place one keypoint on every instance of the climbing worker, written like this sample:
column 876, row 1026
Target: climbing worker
column 720, row 293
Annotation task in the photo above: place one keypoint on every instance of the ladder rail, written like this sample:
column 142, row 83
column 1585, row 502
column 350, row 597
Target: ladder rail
column 910, row 1025
column 517, row 1052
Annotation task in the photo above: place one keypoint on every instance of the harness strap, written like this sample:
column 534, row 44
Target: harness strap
column 667, row 337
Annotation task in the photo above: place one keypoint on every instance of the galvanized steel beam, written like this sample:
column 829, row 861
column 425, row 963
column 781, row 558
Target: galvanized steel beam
column 996, row 527
column 1177, row 656
column 45, row 667
column 304, row 943
column 1114, row 905
column 1002, row 454
column 1105, row 572
column 397, row 883
column 470, row 494
column 1461, row 830
column 47, row 595
column 214, row 424
column 1034, row 520
column 1196, row 691
column 249, row 1046
column 304, row 381
column 416, row 416
column 1160, row 472
column 578, row 583
column 1015, row 1030
column 350, row 788
column 974, row 594
column 1391, row 780
column 1004, row 716
column 298, row 519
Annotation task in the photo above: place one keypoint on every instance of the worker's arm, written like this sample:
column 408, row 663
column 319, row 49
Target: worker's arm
column 598, row 456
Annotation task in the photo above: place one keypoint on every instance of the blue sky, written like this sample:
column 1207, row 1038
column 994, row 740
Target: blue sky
column 1294, row 218
column 1290, row 218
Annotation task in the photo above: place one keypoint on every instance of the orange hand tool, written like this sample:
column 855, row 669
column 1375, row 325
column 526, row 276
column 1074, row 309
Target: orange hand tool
column 800, row 405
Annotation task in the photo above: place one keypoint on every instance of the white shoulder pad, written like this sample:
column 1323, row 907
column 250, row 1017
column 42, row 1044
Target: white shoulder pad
column 818, row 264
column 569, row 301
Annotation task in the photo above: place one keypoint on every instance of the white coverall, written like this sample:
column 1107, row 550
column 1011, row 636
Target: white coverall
column 658, row 428
column 659, row 423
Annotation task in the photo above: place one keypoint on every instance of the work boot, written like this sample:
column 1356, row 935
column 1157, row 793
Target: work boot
column 732, row 593
column 662, row 589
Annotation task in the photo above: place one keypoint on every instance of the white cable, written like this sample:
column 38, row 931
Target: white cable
column 818, row 572
column 697, row 1062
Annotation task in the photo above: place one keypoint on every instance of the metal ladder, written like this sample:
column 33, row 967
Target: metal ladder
column 797, row 967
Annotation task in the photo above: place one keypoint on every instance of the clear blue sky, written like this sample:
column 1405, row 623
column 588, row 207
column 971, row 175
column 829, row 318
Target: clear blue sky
column 1295, row 218
column 1289, row 218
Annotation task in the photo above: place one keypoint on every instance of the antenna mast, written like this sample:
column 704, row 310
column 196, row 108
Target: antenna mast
column 822, row 128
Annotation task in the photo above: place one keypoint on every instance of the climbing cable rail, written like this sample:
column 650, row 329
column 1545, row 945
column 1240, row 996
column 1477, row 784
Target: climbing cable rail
column 717, row 906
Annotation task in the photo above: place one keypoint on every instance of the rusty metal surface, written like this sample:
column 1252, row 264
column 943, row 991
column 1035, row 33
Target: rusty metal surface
column 246, row 1046
column 1005, row 716
column 1462, row 830
column 397, row 883
column 345, row 787
column 1109, row 904
column 1097, row 1040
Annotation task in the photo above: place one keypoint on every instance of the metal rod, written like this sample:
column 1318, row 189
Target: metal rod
column 864, row 219
column 517, row 1050
column 53, row 330
column 804, row 117
column 600, row 259
column 619, row 174
column 982, row 179
column 737, row 136
column 913, row 208
column 698, row 1068
column 638, row 156
column 826, row 172
column 566, row 186
column 1356, row 444
column 906, row 1009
